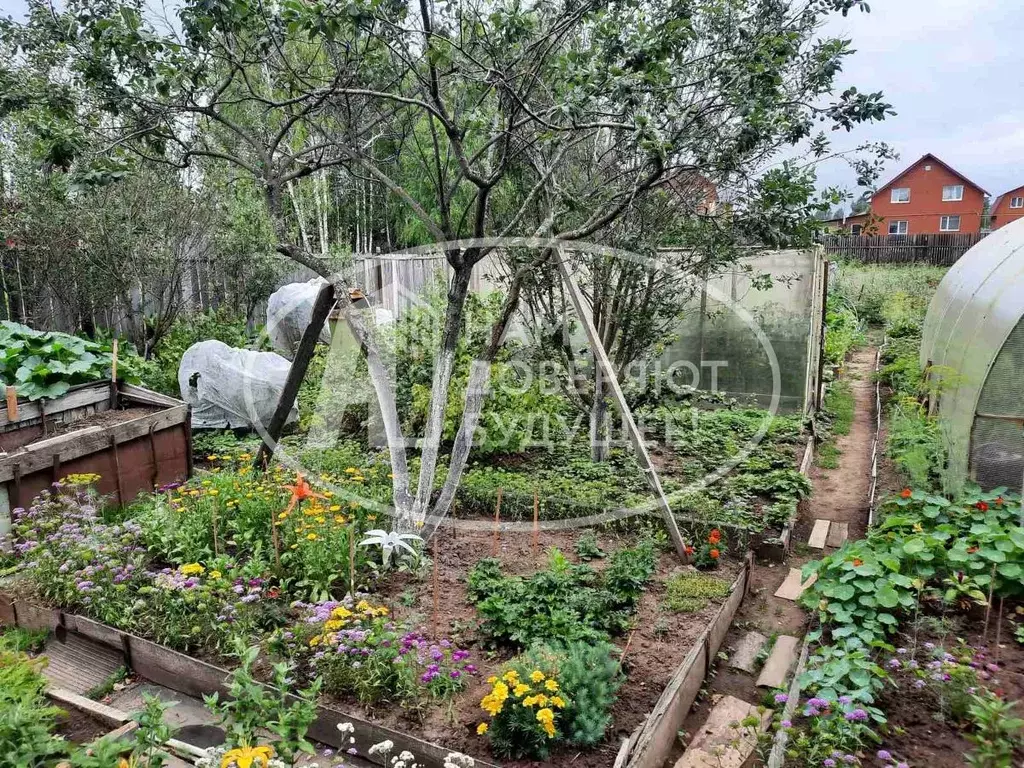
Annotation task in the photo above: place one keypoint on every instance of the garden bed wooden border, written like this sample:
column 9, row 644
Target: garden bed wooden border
column 651, row 743
column 130, row 456
column 647, row 748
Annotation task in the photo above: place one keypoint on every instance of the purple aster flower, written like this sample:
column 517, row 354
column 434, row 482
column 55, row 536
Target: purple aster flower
column 828, row 762
column 781, row 698
column 786, row 723
column 884, row 754
column 845, row 699
column 857, row 715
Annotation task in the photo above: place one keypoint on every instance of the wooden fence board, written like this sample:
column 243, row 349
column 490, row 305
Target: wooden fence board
column 939, row 250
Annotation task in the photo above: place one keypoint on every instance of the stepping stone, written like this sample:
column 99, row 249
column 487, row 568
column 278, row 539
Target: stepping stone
column 722, row 742
column 792, row 588
column 745, row 655
column 79, row 665
column 818, row 534
column 838, row 534
column 781, row 660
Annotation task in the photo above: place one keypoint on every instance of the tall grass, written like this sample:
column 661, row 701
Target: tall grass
column 887, row 294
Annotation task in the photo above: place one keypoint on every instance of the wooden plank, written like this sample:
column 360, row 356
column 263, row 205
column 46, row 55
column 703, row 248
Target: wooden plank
column 819, row 534
column 37, row 617
column 777, row 757
column 722, row 742
column 661, row 728
column 838, row 533
column 780, row 661
column 12, row 404
column 174, row 670
column 611, row 381
column 792, row 587
column 744, row 657
column 89, row 440
column 108, row 715
column 85, row 394
column 146, row 396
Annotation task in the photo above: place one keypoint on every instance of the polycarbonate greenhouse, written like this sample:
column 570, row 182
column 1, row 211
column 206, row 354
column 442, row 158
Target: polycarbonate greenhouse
column 974, row 340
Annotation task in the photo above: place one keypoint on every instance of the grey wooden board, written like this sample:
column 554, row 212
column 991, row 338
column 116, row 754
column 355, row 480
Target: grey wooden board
column 722, row 742
column 79, row 665
column 838, row 533
column 744, row 657
column 818, row 534
column 109, row 715
column 792, row 588
column 184, row 710
column 781, row 660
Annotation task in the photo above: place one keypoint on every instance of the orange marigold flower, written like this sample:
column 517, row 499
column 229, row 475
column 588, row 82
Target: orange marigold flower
column 906, row 493
column 982, row 506
column 857, row 561
column 714, row 554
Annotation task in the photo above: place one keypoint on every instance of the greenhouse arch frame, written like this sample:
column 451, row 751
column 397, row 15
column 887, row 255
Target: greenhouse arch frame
column 973, row 348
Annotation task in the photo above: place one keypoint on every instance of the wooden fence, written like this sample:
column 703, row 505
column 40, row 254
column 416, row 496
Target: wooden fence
column 939, row 250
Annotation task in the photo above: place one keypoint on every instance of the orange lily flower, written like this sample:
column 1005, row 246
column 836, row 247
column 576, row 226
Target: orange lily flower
column 300, row 491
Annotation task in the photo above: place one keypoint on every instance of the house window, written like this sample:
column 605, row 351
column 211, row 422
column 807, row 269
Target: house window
column 856, row 229
column 952, row 193
column 1017, row 202
column 897, row 227
column 900, row 195
column 949, row 224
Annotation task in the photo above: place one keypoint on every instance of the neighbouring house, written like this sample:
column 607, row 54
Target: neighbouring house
column 928, row 197
column 1007, row 208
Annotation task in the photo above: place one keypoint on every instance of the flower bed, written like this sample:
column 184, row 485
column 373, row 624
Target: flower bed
column 409, row 655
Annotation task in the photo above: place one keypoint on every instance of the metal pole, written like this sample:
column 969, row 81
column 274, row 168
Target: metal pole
column 612, row 384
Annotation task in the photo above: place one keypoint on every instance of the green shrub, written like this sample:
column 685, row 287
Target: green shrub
column 590, row 677
column 27, row 718
column 690, row 592
column 565, row 601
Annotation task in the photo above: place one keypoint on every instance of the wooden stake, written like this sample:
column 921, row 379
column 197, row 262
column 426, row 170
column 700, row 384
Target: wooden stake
column 277, row 541
column 213, row 519
column 988, row 607
column 12, row 404
column 536, row 521
column 437, row 591
column 999, row 628
column 352, row 560
column 113, row 361
column 625, row 650
column 497, row 524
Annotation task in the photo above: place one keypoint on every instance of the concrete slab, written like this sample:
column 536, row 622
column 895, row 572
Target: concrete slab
column 780, row 661
column 722, row 742
column 744, row 656
column 792, row 587
column 819, row 534
column 838, row 533
column 185, row 710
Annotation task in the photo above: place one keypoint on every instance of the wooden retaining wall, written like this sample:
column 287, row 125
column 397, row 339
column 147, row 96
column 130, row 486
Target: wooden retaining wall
column 653, row 742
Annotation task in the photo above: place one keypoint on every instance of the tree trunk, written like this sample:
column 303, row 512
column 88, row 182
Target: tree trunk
column 600, row 433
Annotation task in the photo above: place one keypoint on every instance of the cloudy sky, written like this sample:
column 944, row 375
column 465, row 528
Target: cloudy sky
column 952, row 69
column 954, row 72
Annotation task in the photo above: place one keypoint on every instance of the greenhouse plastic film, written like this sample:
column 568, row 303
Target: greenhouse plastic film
column 289, row 310
column 997, row 454
column 232, row 388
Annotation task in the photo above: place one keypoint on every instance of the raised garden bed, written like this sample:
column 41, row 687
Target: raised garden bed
column 666, row 671
column 134, row 439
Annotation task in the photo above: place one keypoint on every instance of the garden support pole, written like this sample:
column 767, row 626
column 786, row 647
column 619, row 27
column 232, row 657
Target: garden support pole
column 612, row 384
column 297, row 372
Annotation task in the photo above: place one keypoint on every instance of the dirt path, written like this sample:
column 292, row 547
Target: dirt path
column 839, row 495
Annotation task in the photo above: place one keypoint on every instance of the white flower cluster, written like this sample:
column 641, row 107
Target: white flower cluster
column 214, row 755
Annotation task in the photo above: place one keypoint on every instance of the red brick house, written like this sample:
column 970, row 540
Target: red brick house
column 928, row 197
column 1008, row 207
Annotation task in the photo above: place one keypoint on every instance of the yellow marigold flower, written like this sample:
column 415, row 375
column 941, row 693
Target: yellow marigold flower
column 558, row 701
column 193, row 493
column 492, row 680
column 283, row 516
column 351, row 471
column 341, row 612
column 335, row 508
column 212, row 457
column 214, row 492
column 481, row 729
column 511, row 676
column 321, row 520
column 551, row 685
column 536, row 675
column 333, row 625
column 521, row 689
column 314, row 641
column 529, row 701
column 215, row 574
column 192, row 569
column 339, row 519
column 542, row 700
column 311, row 536
column 546, row 718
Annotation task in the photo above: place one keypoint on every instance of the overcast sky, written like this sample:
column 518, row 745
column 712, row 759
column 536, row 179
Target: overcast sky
column 952, row 69
column 954, row 72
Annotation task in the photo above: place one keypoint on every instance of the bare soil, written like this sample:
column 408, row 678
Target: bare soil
column 654, row 649
column 99, row 419
column 78, row 727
